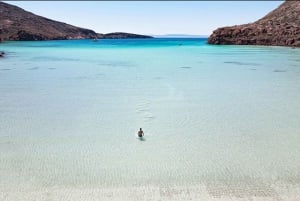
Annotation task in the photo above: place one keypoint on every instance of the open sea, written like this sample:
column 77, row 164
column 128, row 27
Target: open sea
column 220, row 122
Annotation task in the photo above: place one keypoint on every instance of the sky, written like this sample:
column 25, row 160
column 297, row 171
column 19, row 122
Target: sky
column 151, row 17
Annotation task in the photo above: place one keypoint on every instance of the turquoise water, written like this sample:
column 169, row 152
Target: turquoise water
column 225, row 117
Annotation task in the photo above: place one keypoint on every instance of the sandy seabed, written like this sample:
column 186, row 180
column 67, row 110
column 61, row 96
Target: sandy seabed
column 151, row 193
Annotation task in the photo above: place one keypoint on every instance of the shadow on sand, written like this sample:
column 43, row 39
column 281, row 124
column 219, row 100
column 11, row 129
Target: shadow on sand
column 142, row 139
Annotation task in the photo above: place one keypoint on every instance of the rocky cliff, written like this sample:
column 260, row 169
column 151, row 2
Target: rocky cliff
column 18, row 24
column 281, row 27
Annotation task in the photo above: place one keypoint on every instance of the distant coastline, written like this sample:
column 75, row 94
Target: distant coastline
column 178, row 36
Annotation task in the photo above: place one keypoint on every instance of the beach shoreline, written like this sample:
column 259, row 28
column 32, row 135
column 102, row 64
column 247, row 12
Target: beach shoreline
column 153, row 193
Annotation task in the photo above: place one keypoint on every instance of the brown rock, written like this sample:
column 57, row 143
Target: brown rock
column 280, row 27
column 18, row 24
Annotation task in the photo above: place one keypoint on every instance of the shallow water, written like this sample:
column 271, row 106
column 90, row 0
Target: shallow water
column 225, row 117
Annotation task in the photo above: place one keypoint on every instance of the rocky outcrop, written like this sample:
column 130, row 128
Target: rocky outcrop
column 18, row 24
column 280, row 27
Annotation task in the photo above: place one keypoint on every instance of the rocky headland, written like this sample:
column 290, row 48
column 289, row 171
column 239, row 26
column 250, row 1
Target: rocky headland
column 281, row 27
column 18, row 24
column 121, row 35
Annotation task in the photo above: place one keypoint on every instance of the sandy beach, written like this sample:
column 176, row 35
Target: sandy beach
column 152, row 193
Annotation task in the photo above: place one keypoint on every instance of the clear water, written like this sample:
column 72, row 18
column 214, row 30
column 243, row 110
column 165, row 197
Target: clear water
column 225, row 117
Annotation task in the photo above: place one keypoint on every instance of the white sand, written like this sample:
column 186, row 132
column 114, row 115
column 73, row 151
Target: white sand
column 150, row 193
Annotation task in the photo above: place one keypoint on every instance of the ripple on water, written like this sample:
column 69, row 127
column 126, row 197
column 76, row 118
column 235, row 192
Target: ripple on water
column 143, row 104
column 148, row 116
column 5, row 69
column 144, row 112
column 139, row 110
column 142, row 107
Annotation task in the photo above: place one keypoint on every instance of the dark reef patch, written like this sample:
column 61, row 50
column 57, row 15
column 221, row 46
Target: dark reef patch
column 54, row 59
column 33, row 68
column 241, row 63
column 116, row 64
column 279, row 71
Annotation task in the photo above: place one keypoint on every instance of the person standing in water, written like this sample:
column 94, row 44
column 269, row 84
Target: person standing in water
column 141, row 133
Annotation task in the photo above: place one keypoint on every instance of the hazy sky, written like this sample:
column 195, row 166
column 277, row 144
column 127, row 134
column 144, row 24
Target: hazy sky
column 151, row 17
